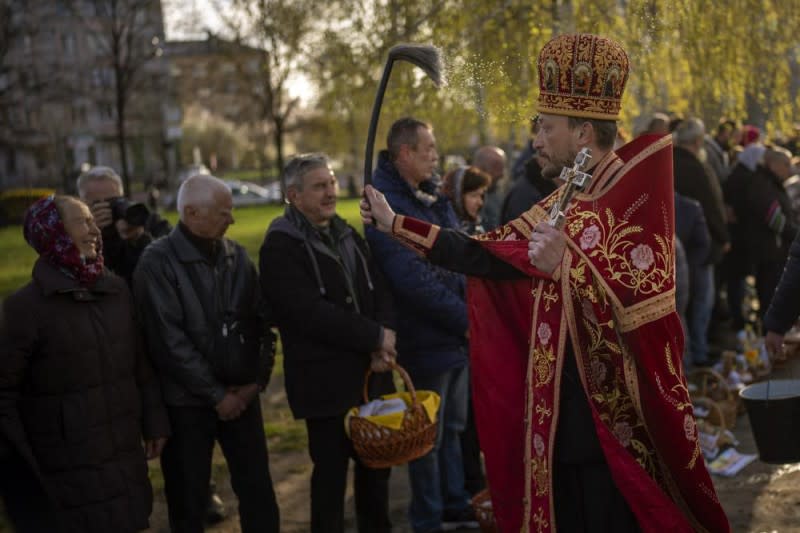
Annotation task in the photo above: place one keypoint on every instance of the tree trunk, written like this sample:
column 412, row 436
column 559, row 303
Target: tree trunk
column 122, row 142
column 278, row 140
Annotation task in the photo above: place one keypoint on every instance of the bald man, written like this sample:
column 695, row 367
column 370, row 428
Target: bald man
column 491, row 160
column 198, row 299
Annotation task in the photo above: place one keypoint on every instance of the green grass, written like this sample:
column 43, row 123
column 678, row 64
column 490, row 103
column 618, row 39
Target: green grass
column 17, row 258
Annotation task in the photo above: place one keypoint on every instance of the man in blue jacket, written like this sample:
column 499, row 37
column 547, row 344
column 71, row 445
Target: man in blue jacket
column 432, row 323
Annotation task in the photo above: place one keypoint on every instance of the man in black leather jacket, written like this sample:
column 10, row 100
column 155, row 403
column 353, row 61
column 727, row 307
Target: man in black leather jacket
column 123, row 245
column 199, row 302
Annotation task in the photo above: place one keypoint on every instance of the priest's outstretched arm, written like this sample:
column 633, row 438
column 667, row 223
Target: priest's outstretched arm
column 457, row 251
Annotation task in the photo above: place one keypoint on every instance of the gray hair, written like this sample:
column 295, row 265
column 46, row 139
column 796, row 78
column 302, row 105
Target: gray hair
column 198, row 191
column 689, row 131
column 300, row 165
column 99, row 173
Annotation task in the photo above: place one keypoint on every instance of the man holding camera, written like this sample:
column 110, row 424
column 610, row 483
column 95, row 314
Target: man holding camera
column 127, row 227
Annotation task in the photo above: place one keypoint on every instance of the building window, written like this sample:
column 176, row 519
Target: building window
column 27, row 44
column 107, row 111
column 78, row 115
column 11, row 162
column 102, row 77
column 17, row 117
column 95, row 44
column 68, row 44
column 32, row 118
column 40, row 157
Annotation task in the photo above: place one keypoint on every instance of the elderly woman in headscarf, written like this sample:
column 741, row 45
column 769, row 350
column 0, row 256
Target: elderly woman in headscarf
column 80, row 406
column 466, row 187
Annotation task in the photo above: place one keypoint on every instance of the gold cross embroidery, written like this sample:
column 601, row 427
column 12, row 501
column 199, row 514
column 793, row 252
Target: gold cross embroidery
column 543, row 411
column 539, row 520
column 550, row 296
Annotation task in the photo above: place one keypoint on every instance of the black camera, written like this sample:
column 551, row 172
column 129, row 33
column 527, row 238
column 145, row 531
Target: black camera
column 134, row 213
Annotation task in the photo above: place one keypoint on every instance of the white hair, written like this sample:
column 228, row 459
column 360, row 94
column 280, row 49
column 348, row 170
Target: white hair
column 198, row 191
column 689, row 132
column 773, row 154
column 99, row 173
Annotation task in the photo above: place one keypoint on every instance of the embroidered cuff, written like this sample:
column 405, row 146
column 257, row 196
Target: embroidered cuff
column 414, row 233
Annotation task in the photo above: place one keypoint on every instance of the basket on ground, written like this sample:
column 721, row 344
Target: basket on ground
column 710, row 384
column 484, row 513
column 391, row 440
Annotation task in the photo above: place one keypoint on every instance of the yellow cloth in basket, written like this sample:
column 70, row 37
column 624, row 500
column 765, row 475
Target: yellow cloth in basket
column 429, row 401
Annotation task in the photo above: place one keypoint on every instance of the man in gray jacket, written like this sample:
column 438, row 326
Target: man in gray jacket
column 198, row 300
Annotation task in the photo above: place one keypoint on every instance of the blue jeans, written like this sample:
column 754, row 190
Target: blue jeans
column 700, row 307
column 437, row 479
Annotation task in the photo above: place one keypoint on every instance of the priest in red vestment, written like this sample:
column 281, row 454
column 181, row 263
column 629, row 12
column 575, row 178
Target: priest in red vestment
column 580, row 400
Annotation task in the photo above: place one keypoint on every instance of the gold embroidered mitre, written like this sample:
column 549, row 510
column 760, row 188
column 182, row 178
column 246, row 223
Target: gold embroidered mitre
column 582, row 75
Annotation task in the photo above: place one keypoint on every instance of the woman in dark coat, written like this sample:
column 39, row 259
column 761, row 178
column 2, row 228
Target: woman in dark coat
column 466, row 187
column 77, row 394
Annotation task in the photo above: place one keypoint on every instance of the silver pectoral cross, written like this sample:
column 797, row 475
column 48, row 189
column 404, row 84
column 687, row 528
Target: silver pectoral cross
column 575, row 180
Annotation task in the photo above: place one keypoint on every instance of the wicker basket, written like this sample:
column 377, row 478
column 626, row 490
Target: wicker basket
column 715, row 415
column 382, row 447
column 484, row 513
column 713, row 386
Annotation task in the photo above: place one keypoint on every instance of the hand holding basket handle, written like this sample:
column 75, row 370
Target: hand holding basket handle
column 379, row 446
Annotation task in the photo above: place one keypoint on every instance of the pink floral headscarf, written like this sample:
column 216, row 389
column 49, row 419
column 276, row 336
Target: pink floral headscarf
column 44, row 231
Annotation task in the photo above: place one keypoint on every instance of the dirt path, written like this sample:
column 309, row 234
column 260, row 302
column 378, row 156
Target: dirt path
column 761, row 499
column 290, row 467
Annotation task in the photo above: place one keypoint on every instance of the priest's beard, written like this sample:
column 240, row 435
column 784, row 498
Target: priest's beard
column 553, row 167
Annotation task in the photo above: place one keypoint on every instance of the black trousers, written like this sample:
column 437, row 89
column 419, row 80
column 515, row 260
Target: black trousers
column 186, row 463
column 474, row 480
column 588, row 501
column 330, row 451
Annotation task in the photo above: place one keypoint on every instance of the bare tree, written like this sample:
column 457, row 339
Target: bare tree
column 129, row 33
column 8, row 31
column 279, row 29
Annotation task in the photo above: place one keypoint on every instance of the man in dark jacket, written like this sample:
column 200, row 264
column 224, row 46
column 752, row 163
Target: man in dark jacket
column 432, row 323
column 526, row 192
column 692, row 232
column 492, row 160
column 785, row 306
column 199, row 302
column 769, row 223
column 697, row 181
column 123, row 243
column 718, row 148
column 334, row 313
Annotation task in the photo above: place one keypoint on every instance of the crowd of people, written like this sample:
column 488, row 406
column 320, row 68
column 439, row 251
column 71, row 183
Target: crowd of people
column 134, row 333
